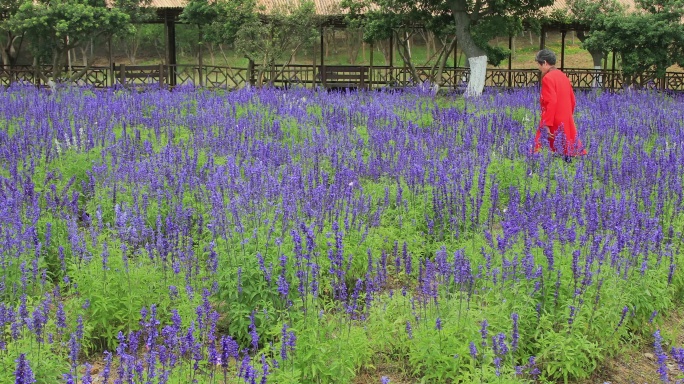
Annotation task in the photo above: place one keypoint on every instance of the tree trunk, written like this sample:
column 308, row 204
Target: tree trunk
column 88, row 62
column 363, row 50
column 513, row 55
column 57, row 60
column 441, row 62
column 384, row 48
column 212, row 55
column 477, row 58
column 402, row 38
column 597, row 58
column 330, row 41
column 353, row 43
column 426, row 38
column 226, row 60
column 84, row 54
column 9, row 53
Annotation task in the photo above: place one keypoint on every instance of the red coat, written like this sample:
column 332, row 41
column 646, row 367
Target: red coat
column 557, row 106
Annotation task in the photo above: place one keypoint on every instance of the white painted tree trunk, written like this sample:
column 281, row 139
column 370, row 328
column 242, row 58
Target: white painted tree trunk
column 478, row 74
column 598, row 80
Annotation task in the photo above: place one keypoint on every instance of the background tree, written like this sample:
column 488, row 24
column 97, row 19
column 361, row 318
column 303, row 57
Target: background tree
column 277, row 37
column 10, row 41
column 55, row 27
column 478, row 21
column 138, row 32
column 475, row 23
column 649, row 39
column 139, row 36
column 592, row 14
column 402, row 20
column 219, row 21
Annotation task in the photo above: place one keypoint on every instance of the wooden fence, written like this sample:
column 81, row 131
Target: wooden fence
column 230, row 78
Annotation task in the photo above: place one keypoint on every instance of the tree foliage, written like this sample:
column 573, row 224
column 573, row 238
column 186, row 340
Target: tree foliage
column 277, row 37
column 264, row 38
column 220, row 20
column 473, row 22
column 381, row 20
column 591, row 14
column 10, row 40
column 486, row 20
column 54, row 27
column 648, row 38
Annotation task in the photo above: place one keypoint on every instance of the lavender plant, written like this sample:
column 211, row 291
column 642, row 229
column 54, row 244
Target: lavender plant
column 304, row 236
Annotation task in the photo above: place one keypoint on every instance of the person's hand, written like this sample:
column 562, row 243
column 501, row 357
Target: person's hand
column 548, row 132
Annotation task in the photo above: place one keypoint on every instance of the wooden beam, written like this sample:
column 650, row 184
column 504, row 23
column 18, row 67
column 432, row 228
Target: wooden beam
column 171, row 59
column 370, row 72
column 612, row 85
column 313, row 69
column 111, row 62
column 562, row 63
column 200, row 63
column 510, row 60
column 321, row 70
column 391, row 50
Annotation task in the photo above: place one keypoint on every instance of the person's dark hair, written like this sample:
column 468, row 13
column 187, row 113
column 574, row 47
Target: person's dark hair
column 546, row 55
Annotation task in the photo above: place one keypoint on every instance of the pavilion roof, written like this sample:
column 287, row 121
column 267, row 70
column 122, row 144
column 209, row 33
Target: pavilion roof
column 323, row 7
column 332, row 7
column 562, row 5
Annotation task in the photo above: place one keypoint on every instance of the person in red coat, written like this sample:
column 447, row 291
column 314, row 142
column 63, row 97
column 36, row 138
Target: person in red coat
column 557, row 107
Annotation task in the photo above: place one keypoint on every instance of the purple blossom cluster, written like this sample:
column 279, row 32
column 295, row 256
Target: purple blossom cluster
column 322, row 204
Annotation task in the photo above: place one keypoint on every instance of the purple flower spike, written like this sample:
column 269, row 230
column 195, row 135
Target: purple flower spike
column 23, row 374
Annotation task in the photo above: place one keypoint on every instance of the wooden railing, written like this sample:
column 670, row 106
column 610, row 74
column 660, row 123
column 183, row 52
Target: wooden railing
column 230, row 78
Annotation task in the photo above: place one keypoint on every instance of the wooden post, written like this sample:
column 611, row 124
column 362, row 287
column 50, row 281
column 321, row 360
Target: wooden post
column 313, row 69
column 166, row 39
column 122, row 74
column 370, row 72
column 363, row 78
column 510, row 60
column 199, row 58
column 562, row 63
column 613, row 81
column 162, row 75
column 250, row 72
column 391, row 51
column 170, row 27
column 321, row 70
column 111, row 62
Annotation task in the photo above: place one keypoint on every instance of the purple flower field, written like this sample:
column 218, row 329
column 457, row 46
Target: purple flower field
column 301, row 237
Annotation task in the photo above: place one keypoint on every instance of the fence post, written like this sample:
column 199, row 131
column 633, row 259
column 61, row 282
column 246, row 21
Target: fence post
column 162, row 75
column 122, row 74
column 510, row 60
column 363, row 77
column 201, row 75
column 112, row 75
column 250, row 72
column 36, row 75
column 370, row 67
